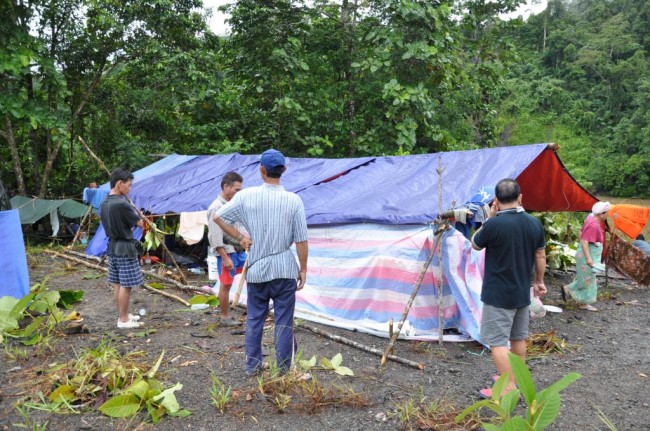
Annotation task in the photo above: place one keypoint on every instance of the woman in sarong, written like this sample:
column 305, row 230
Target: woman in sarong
column 584, row 289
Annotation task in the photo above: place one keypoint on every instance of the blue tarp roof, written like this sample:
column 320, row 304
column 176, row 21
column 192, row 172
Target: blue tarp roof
column 388, row 190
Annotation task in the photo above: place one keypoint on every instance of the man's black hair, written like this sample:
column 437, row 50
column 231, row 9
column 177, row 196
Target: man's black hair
column 120, row 174
column 641, row 237
column 231, row 178
column 275, row 172
column 507, row 190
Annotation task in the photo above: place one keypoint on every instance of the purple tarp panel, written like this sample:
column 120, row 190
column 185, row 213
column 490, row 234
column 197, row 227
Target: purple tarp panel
column 404, row 189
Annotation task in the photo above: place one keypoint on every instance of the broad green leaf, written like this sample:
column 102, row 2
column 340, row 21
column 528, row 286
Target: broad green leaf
column 20, row 306
column 212, row 300
column 181, row 413
column 29, row 329
column 139, row 389
column 343, row 371
column 121, row 406
column 337, row 360
column 167, row 399
column 510, row 400
column 198, row 299
column 325, row 363
column 63, row 393
column 516, row 423
column 547, row 411
column 470, row 409
column 7, row 304
column 32, row 341
column 156, row 285
column 523, row 378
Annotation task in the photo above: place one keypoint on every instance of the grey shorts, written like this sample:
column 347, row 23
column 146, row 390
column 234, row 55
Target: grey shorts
column 499, row 325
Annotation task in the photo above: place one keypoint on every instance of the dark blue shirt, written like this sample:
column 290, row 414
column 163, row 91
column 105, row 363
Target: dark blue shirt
column 511, row 240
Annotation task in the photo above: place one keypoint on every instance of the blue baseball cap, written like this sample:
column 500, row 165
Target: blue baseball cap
column 271, row 159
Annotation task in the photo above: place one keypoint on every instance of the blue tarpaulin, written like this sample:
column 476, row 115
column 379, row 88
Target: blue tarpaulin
column 14, row 275
column 385, row 190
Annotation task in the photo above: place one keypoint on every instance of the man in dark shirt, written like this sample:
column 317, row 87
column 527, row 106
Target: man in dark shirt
column 514, row 242
column 118, row 218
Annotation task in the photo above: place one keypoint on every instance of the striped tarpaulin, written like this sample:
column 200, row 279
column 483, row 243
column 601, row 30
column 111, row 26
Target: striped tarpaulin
column 361, row 275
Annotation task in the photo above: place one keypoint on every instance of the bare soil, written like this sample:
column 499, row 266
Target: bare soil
column 608, row 348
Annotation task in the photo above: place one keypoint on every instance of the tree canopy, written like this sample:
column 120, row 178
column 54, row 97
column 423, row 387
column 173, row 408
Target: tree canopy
column 137, row 78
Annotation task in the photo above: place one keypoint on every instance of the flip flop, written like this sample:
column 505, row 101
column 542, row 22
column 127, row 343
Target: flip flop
column 587, row 308
column 495, row 377
column 486, row 393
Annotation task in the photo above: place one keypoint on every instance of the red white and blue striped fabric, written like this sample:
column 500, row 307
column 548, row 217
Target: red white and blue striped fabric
column 361, row 275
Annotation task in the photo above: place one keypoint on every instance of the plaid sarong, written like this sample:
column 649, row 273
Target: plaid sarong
column 124, row 271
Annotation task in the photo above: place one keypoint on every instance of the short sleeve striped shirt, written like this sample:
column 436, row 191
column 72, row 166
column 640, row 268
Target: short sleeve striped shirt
column 275, row 219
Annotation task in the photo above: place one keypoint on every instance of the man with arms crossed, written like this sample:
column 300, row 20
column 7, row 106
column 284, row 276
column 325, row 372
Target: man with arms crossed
column 514, row 242
column 118, row 218
column 275, row 220
column 231, row 258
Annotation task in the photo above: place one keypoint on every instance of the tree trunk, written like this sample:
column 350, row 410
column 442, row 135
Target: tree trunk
column 348, row 32
column 15, row 157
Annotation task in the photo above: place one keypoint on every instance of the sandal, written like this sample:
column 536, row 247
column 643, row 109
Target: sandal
column 587, row 307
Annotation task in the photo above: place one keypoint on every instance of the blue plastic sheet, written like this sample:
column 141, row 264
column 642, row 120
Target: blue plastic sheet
column 14, row 275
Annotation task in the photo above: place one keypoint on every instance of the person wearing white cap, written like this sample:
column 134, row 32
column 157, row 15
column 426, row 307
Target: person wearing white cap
column 584, row 289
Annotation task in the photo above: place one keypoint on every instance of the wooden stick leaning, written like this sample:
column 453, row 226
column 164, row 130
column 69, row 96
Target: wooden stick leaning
column 363, row 347
column 425, row 267
column 440, row 170
column 79, row 229
column 146, row 220
column 235, row 299
column 100, row 268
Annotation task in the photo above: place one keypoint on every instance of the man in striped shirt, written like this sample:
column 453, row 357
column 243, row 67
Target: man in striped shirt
column 275, row 219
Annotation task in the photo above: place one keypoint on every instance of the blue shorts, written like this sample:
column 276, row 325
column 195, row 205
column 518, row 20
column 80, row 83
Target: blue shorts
column 125, row 271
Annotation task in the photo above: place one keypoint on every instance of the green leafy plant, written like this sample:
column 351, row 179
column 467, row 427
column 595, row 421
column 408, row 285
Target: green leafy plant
column 542, row 407
column 335, row 364
column 220, row 394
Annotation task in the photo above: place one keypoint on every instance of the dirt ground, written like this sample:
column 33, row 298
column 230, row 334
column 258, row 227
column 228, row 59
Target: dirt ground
column 608, row 348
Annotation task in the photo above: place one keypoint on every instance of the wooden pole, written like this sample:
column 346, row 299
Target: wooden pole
column 83, row 220
column 411, row 299
column 363, row 347
column 440, row 170
column 145, row 219
column 100, row 268
column 235, row 299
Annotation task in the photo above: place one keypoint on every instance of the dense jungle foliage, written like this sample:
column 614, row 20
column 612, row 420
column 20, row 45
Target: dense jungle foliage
column 139, row 78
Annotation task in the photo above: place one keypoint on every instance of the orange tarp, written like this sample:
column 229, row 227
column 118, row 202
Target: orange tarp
column 629, row 219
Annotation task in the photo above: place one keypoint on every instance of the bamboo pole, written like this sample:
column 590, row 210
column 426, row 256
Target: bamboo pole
column 181, row 286
column 145, row 219
column 83, row 220
column 440, row 170
column 235, row 299
column 363, row 347
column 411, row 299
column 101, row 268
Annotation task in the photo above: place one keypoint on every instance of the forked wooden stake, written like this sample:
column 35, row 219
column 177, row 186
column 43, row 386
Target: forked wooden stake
column 425, row 267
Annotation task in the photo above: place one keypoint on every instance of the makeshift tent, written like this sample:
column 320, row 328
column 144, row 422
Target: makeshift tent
column 369, row 226
column 32, row 210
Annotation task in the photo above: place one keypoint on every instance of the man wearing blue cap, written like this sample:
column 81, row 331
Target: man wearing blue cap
column 275, row 219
